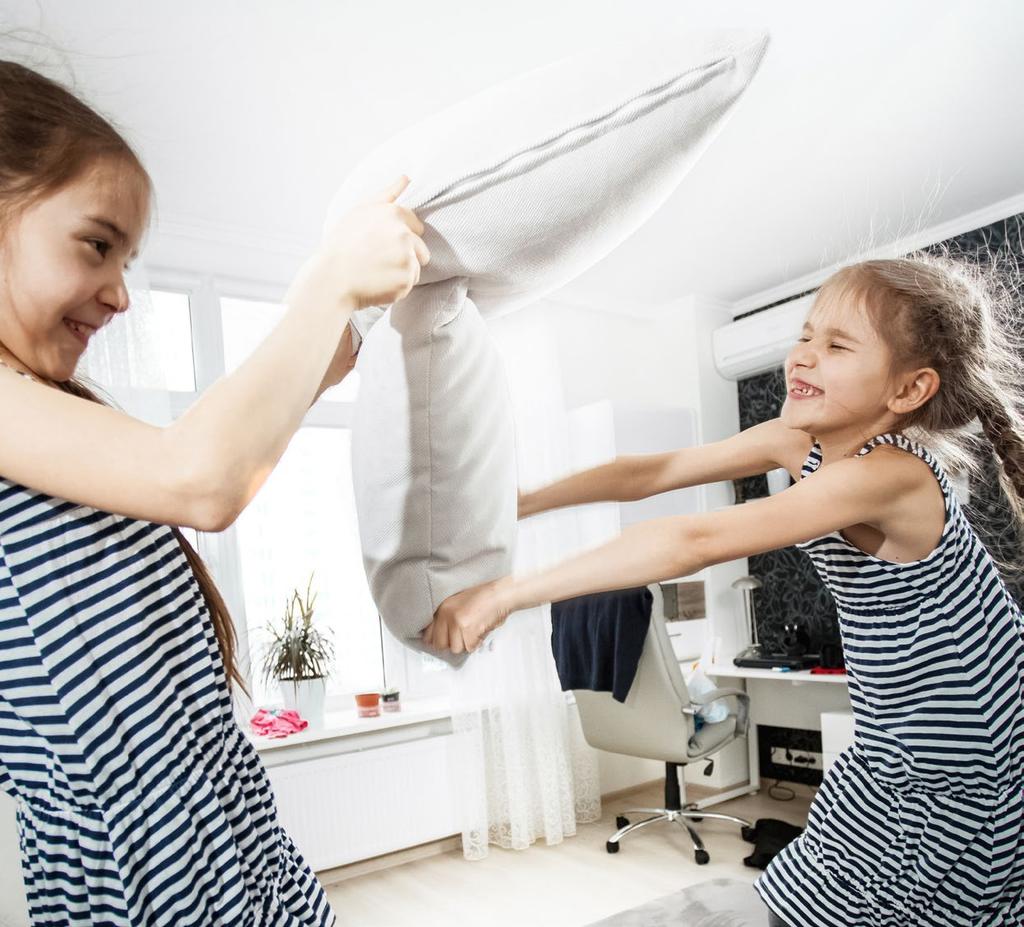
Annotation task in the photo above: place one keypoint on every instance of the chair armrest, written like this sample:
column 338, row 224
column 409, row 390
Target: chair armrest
column 742, row 706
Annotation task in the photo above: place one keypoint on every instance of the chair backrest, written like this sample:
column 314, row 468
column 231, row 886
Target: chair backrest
column 651, row 722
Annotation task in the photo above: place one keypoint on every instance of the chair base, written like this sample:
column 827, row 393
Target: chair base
column 679, row 814
column 681, row 817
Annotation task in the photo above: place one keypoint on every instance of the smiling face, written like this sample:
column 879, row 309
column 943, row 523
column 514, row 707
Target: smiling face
column 838, row 375
column 62, row 265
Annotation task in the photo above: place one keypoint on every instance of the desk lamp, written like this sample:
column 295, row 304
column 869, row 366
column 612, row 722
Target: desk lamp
column 747, row 585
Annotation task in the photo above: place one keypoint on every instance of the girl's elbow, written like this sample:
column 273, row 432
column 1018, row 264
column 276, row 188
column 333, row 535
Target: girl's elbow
column 213, row 515
column 693, row 549
column 209, row 501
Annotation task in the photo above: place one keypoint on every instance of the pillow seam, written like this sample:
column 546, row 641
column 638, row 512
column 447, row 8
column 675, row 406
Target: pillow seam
column 492, row 169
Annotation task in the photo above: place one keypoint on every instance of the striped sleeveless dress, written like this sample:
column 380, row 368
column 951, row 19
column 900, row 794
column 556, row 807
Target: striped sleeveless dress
column 921, row 822
column 139, row 800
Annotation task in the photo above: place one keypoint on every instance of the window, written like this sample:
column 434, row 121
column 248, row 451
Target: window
column 247, row 322
column 178, row 339
column 172, row 329
column 302, row 523
column 145, row 356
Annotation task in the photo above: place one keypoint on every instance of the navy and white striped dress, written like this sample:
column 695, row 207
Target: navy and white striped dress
column 140, row 801
column 921, row 822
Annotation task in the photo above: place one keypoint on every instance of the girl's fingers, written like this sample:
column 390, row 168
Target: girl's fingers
column 410, row 218
column 470, row 639
column 428, row 635
column 391, row 192
column 422, row 252
column 456, row 643
column 440, row 633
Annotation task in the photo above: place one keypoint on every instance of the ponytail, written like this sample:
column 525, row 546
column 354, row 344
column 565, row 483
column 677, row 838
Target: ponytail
column 1005, row 433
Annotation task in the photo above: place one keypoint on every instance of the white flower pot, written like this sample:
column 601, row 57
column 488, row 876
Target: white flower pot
column 306, row 696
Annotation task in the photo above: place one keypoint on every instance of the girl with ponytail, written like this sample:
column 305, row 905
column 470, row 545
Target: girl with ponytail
column 900, row 365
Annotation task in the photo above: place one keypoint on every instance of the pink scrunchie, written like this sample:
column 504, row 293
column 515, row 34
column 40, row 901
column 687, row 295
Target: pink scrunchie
column 277, row 723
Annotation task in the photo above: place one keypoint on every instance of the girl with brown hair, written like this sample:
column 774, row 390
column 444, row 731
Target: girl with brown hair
column 140, row 801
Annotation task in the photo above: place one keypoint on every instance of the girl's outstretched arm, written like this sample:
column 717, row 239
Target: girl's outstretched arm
column 849, row 492
column 756, row 450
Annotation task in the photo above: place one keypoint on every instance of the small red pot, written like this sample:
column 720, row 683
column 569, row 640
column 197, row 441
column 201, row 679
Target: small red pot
column 368, row 704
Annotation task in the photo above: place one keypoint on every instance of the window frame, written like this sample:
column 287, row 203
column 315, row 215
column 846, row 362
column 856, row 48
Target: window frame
column 413, row 675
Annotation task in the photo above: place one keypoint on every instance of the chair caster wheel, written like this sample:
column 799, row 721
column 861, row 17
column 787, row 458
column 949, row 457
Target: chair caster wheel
column 702, row 857
column 621, row 822
column 611, row 847
column 749, row 834
column 696, row 820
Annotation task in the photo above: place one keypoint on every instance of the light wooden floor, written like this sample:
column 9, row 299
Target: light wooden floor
column 568, row 885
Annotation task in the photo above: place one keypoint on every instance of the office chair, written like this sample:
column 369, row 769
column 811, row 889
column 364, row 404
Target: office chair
column 658, row 721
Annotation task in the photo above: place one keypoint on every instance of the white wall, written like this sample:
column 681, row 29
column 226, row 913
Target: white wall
column 659, row 361
column 632, row 360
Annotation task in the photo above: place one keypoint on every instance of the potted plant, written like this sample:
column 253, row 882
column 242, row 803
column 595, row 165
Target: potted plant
column 298, row 656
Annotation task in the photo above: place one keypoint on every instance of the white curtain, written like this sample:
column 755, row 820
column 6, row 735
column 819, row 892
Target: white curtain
column 128, row 359
column 523, row 770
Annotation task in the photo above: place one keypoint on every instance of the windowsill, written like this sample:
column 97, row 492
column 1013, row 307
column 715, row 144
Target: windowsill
column 338, row 724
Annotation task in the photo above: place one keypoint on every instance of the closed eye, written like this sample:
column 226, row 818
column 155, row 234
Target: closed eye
column 839, row 347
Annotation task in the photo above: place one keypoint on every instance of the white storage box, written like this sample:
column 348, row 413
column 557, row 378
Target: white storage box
column 836, row 735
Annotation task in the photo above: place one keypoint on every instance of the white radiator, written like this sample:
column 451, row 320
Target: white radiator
column 339, row 809
column 836, row 735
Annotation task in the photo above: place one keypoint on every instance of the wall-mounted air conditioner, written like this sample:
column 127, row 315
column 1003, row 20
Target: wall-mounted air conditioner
column 761, row 341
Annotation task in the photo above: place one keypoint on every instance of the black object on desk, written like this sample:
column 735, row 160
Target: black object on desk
column 755, row 658
column 793, row 655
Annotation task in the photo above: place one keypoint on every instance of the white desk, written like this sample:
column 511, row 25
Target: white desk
column 772, row 701
column 794, row 676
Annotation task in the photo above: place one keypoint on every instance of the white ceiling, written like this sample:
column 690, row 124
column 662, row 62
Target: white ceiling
column 867, row 121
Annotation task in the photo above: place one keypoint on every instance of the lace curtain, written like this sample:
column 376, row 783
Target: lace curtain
column 126, row 359
column 524, row 770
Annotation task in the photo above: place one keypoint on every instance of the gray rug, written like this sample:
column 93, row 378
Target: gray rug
column 717, row 903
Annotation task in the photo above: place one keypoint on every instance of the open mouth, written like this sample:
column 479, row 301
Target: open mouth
column 80, row 330
column 800, row 390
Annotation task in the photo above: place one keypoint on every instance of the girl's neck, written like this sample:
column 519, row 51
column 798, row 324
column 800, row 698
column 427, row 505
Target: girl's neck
column 846, row 442
column 7, row 359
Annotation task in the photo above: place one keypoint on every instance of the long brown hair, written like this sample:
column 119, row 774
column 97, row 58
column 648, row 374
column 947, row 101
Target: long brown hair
column 958, row 317
column 48, row 138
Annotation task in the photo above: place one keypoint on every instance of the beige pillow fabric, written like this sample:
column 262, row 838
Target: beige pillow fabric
column 433, row 457
column 521, row 189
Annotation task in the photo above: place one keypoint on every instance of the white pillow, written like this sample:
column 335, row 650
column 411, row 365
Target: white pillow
column 521, row 189
column 433, row 457
column 527, row 184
